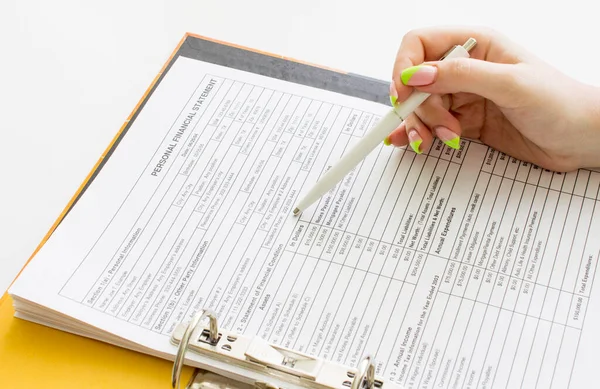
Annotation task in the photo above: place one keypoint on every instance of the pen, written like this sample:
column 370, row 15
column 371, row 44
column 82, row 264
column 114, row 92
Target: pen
column 374, row 137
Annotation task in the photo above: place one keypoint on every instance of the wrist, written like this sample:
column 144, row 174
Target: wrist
column 592, row 140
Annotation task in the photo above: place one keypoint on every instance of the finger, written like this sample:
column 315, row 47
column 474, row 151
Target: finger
column 430, row 44
column 441, row 122
column 398, row 137
column 419, row 136
column 504, row 84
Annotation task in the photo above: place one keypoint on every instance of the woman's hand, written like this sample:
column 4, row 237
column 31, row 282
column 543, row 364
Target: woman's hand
column 502, row 95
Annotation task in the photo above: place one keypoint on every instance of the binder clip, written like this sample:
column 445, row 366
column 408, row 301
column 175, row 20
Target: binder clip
column 257, row 364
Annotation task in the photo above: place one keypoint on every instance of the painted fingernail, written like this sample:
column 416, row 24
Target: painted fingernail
column 387, row 141
column 393, row 94
column 448, row 137
column 418, row 75
column 415, row 141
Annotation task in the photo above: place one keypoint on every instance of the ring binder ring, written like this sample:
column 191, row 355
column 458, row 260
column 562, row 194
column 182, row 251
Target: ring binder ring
column 256, row 354
column 366, row 375
column 213, row 337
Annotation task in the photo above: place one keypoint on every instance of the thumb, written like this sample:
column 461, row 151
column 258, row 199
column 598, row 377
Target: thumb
column 493, row 81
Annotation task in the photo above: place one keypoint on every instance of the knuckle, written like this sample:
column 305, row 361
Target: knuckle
column 411, row 34
column 490, row 32
column 412, row 122
column 460, row 68
column 409, row 123
column 407, row 38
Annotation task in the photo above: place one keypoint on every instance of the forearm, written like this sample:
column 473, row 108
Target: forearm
column 590, row 144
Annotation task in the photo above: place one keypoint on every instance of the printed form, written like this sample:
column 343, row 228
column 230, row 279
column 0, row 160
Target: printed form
column 454, row 269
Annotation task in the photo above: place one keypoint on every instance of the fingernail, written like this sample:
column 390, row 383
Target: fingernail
column 418, row 75
column 415, row 141
column 387, row 141
column 448, row 137
column 393, row 94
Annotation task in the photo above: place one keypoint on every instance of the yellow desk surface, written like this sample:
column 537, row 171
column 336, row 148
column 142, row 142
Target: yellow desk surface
column 37, row 357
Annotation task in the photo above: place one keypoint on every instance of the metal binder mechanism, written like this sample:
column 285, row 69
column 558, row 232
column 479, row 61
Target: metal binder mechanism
column 251, row 362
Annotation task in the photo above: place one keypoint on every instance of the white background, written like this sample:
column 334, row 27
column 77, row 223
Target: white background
column 71, row 71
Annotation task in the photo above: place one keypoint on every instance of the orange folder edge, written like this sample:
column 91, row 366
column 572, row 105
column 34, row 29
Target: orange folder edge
column 33, row 355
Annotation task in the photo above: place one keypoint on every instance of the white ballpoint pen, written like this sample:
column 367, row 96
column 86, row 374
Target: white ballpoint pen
column 374, row 137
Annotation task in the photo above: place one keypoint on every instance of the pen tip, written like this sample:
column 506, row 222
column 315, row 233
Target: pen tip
column 296, row 211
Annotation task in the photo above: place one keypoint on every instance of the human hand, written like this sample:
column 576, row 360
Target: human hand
column 502, row 95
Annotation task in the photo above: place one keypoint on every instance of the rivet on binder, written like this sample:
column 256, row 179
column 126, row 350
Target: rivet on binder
column 260, row 364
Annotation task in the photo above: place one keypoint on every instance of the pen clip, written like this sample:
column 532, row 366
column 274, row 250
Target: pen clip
column 448, row 52
column 468, row 46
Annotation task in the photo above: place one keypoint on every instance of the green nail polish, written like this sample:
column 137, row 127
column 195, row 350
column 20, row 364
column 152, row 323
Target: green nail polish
column 393, row 100
column 416, row 146
column 454, row 143
column 387, row 141
column 408, row 73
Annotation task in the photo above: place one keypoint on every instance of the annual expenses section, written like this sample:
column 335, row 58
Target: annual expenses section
column 454, row 268
column 457, row 269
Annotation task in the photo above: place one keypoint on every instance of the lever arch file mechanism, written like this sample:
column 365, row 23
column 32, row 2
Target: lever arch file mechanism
column 267, row 361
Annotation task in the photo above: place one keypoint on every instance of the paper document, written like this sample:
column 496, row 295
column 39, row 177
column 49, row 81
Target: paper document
column 454, row 269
